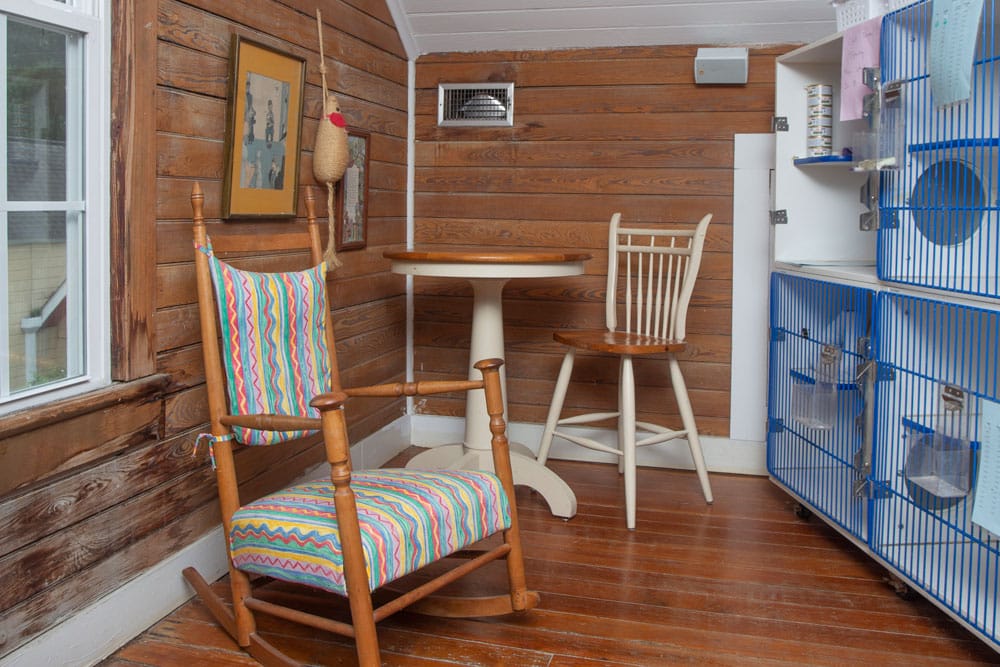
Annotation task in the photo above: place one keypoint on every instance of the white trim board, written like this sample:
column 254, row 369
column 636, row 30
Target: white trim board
column 753, row 164
column 89, row 637
column 724, row 455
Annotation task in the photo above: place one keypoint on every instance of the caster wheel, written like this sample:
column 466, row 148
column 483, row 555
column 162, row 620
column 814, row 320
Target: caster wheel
column 802, row 511
column 898, row 586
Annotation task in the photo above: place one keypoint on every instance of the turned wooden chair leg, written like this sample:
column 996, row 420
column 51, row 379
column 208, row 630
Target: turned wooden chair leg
column 239, row 583
column 520, row 600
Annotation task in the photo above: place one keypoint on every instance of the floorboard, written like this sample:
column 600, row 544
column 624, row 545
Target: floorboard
column 741, row 582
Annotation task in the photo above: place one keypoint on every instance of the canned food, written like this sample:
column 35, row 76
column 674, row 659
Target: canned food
column 819, row 89
column 818, row 152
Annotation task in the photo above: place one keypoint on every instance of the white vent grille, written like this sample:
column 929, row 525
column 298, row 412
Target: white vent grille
column 476, row 104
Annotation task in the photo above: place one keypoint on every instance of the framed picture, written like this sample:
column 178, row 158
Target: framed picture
column 352, row 194
column 263, row 131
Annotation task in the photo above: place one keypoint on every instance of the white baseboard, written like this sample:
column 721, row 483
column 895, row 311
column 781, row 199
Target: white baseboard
column 382, row 445
column 89, row 637
column 94, row 633
column 743, row 457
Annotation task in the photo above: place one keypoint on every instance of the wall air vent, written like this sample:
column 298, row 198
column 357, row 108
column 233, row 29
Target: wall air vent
column 475, row 104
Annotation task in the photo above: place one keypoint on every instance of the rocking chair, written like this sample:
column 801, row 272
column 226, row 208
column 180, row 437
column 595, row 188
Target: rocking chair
column 271, row 379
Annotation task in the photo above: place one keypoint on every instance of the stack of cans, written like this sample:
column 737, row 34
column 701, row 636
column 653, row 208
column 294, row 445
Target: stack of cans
column 819, row 102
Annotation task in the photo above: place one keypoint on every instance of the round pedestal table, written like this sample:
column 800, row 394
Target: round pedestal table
column 488, row 271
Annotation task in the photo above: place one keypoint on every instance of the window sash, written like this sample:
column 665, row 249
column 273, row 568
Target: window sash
column 86, row 204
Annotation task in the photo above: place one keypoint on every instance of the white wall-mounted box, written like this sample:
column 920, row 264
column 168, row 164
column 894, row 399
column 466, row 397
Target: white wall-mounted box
column 721, row 65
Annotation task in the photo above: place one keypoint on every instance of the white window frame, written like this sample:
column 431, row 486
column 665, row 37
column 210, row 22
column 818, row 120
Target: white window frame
column 92, row 20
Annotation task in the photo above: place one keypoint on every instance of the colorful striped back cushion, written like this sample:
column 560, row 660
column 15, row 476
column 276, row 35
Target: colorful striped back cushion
column 409, row 518
column 274, row 346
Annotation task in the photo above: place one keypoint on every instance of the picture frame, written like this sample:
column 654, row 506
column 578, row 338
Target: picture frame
column 263, row 131
column 352, row 193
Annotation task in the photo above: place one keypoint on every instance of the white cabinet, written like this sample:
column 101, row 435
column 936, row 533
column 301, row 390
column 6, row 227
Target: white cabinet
column 818, row 202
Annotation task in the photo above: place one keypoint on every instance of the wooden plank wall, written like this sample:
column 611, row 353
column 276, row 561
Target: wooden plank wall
column 595, row 131
column 95, row 490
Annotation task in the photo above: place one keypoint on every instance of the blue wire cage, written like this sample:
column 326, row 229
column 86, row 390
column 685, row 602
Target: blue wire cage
column 876, row 396
column 938, row 217
column 938, row 362
column 815, row 404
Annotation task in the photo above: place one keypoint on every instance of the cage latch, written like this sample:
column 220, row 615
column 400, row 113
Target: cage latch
column 952, row 398
column 868, row 220
column 863, row 346
column 872, row 489
column 870, row 77
column 864, row 377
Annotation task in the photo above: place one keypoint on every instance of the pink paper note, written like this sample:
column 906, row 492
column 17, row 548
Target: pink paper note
column 860, row 50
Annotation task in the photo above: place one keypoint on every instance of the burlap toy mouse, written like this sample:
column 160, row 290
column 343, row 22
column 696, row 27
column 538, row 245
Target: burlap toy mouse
column 330, row 152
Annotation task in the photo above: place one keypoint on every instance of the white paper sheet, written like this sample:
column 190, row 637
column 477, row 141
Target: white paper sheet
column 986, row 508
column 954, row 27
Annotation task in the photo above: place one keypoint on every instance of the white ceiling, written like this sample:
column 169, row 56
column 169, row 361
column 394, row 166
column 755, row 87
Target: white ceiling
column 436, row 26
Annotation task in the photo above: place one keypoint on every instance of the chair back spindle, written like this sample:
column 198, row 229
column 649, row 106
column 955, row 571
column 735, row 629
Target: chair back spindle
column 651, row 275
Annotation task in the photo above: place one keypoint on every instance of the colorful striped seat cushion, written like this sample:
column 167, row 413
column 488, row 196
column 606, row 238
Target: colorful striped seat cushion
column 274, row 345
column 409, row 518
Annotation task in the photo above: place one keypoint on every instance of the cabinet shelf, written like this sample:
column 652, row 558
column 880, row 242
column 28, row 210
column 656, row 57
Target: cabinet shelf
column 823, row 160
column 862, row 273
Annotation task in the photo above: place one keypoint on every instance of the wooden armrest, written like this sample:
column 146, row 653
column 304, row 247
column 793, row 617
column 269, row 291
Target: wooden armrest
column 331, row 400
column 272, row 422
column 414, row 388
column 422, row 388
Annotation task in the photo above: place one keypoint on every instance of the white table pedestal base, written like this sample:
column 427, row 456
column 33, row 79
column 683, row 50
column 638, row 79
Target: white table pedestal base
column 527, row 472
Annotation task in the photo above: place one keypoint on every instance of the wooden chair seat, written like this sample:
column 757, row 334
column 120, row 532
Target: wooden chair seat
column 617, row 342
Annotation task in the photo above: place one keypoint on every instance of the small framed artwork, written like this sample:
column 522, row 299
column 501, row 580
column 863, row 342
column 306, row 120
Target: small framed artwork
column 263, row 131
column 352, row 194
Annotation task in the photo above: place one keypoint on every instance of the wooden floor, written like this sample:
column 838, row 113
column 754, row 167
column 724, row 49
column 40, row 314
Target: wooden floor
column 740, row 582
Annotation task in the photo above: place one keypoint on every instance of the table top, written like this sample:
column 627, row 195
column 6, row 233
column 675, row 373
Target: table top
column 486, row 263
column 487, row 256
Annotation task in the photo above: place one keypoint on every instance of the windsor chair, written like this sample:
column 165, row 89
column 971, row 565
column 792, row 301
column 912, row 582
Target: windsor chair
column 651, row 276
